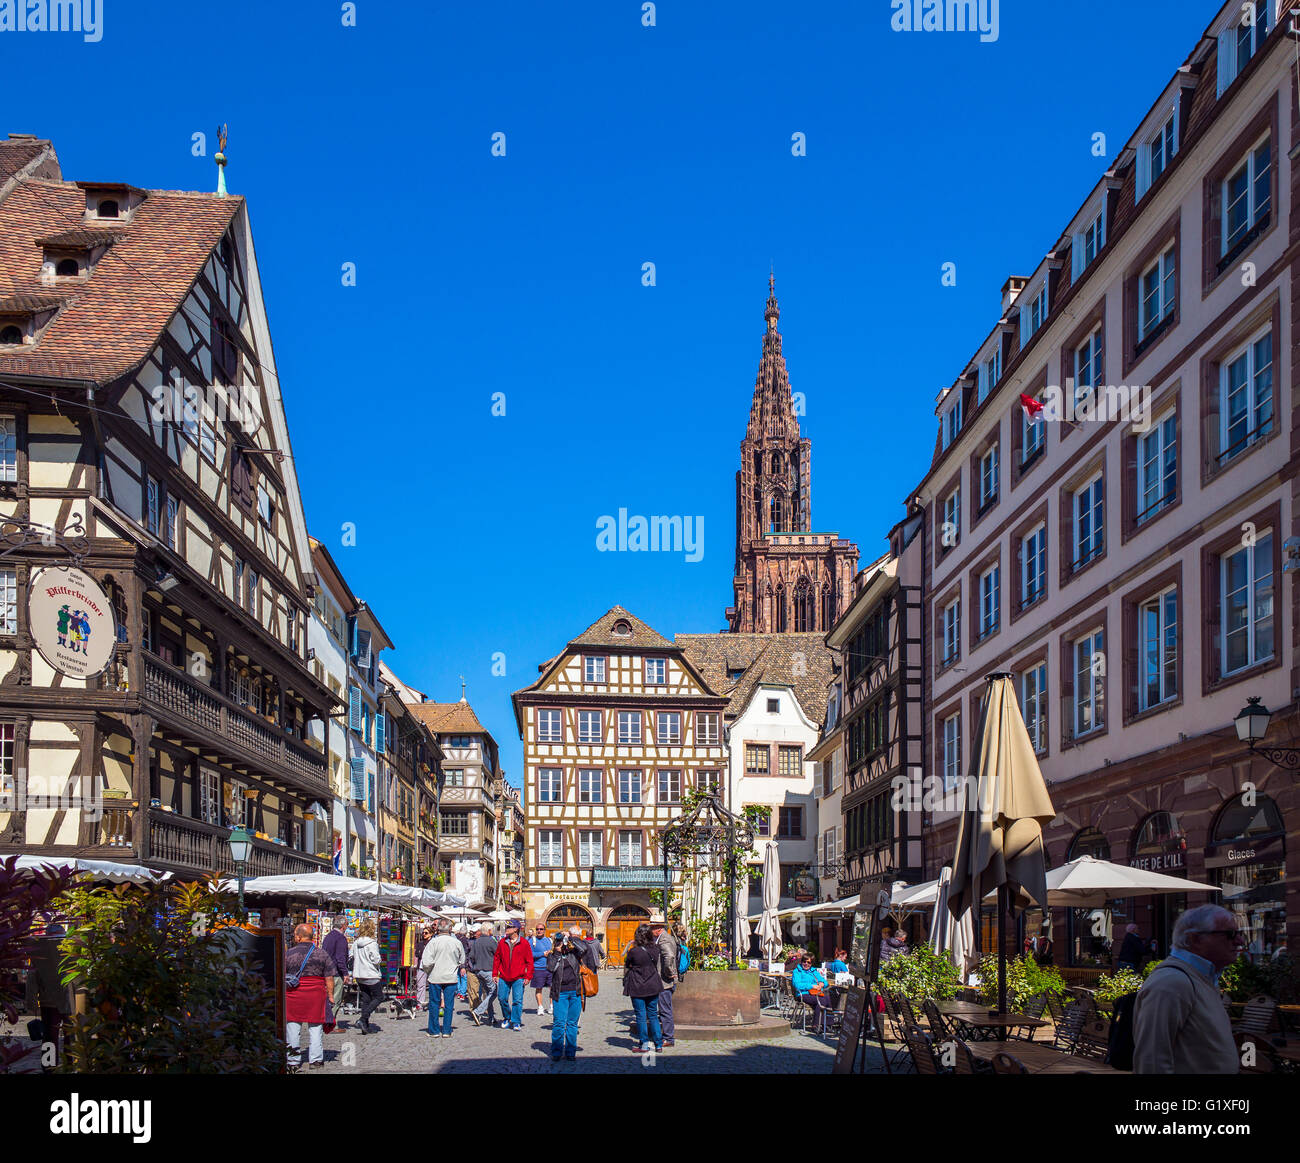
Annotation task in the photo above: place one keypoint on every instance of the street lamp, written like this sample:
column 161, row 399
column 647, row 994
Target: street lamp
column 1252, row 725
column 241, row 844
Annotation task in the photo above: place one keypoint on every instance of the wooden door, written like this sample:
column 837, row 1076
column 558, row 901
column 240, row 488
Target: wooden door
column 618, row 934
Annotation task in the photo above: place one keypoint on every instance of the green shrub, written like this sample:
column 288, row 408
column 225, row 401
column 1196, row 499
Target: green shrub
column 166, row 992
column 1277, row 977
column 1025, row 979
column 919, row 975
column 1112, row 985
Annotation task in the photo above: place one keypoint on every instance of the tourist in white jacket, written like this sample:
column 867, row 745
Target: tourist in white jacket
column 367, row 971
column 442, row 959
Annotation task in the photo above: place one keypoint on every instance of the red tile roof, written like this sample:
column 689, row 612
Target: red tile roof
column 112, row 321
column 448, row 718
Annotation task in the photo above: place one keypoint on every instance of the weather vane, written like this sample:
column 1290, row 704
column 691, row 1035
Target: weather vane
column 223, row 135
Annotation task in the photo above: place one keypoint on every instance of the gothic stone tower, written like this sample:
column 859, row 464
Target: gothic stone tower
column 787, row 577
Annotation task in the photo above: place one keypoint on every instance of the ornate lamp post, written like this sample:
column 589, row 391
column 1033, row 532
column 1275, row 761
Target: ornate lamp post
column 1252, row 725
column 241, row 844
column 708, row 830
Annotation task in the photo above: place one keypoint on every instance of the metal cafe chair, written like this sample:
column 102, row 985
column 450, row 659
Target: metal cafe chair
column 1093, row 1040
column 1004, row 1063
column 795, row 1012
column 769, row 993
column 966, row 1062
column 1258, row 1016
column 923, row 1059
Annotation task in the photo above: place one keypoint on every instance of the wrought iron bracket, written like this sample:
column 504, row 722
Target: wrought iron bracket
column 71, row 539
column 1287, row 758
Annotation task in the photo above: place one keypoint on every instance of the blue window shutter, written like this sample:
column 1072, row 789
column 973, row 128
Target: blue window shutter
column 363, row 649
column 354, row 708
column 370, row 787
column 380, row 724
column 352, row 636
column 358, row 789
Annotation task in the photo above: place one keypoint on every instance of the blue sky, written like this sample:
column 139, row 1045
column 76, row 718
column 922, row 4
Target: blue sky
column 522, row 274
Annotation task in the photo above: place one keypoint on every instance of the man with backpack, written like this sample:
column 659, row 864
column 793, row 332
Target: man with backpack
column 668, row 973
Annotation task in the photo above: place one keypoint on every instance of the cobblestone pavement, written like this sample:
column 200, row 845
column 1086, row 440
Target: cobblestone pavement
column 605, row 1043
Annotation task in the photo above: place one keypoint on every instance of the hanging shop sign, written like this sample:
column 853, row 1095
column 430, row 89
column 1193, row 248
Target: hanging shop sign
column 71, row 621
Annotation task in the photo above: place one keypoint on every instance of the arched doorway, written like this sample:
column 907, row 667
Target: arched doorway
column 562, row 916
column 1247, row 859
column 620, row 929
column 1160, row 845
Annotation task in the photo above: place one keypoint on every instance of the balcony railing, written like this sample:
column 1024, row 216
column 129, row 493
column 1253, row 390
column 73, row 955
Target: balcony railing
column 204, row 708
column 201, row 847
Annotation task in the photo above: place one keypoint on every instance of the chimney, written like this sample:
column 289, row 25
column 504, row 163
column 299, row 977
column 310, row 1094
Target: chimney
column 1011, row 291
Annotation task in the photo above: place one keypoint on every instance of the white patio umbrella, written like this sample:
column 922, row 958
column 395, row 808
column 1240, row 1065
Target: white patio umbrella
column 1000, row 834
column 105, row 870
column 1086, row 882
column 952, row 935
column 769, row 928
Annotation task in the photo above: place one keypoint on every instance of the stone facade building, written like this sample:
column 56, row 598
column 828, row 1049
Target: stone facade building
column 788, row 578
column 1129, row 554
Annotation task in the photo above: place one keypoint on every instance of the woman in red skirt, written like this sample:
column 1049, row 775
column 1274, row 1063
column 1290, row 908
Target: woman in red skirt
column 310, row 1002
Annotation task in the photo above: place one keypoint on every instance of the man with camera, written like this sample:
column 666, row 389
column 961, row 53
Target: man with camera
column 568, row 954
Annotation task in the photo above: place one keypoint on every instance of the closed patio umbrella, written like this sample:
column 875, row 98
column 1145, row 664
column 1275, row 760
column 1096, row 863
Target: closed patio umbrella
column 949, row 934
column 1000, row 833
column 769, row 928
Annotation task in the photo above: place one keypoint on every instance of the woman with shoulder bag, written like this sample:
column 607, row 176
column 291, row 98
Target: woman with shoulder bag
column 643, row 984
column 565, row 961
column 367, row 970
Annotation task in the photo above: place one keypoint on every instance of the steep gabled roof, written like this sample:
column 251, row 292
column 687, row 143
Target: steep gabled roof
column 113, row 320
column 802, row 662
column 601, row 633
column 22, row 157
column 448, row 718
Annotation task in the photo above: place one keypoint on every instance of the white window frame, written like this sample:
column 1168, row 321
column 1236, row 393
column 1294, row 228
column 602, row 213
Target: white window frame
column 550, row 848
column 990, row 600
column 550, row 730
column 1161, row 146
column 1254, row 206
column 1157, row 462
column 660, row 669
column 591, row 785
column 589, row 839
column 668, row 728
column 990, row 373
column 1165, row 268
column 152, row 504
column 550, row 785
column 629, row 727
column 631, row 785
column 209, row 805
column 593, row 668
column 1088, row 243
column 950, row 423
column 951, row 516
column 1162, row 653
column 264, row 504
column 8, row 601
column 627, row 851
column 1033, row 704
column 706, row 728
column 1254, row 555
column 8, row 448
column 1255, row 399
column 952, row 631
column 1088, row 501
column 1085, row 693
column 1088, row 365
column 668, row 779
column 1033, row 315
column 1033, row 435
column 1230, row 62
column 989, row 476
column 8, row 768
column 590, row 727
column 1033, row 548
column 951, row 750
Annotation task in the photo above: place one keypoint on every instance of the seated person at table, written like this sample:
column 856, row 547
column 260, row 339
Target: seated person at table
column 840, row 964
column 804, row 978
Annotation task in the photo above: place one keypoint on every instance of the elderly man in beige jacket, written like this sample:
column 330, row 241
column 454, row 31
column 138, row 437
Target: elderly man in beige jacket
column 442, row 959
column 1180, row 1025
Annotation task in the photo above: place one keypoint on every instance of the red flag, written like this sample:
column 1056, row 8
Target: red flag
column 1031, row 407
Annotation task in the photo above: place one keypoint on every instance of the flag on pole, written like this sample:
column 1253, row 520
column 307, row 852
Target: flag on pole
column 1032, row 408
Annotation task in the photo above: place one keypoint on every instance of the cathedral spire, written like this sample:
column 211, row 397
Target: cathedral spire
column 773, row 312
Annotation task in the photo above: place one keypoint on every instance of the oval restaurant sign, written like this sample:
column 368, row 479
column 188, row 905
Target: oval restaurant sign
column 71, row 621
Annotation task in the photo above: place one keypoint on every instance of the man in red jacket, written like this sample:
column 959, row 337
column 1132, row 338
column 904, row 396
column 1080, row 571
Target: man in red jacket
column 513, row 967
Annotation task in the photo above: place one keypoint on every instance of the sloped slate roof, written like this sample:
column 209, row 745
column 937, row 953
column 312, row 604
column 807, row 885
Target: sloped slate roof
column 112, row 321
column 802, row 662
column 16, row 153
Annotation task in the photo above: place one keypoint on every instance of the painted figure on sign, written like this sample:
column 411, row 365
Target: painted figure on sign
column 64, row 618
column 80, row 626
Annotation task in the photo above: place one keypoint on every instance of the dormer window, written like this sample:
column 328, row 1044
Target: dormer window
column 108, row 208
column 950, row 424
column 1241, row 40
column 1088, row 243
column 990, row 372
column 1033, row 314
column 621, row 629
column 1155, row 155
column 10, row 335
column 111, row 201
column 67, row 268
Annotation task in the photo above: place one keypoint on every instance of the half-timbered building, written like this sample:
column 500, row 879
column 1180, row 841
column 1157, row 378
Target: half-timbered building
column 615, row 728
column 144, row 442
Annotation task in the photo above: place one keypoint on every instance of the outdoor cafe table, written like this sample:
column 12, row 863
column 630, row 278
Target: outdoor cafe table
column 987, row 1024
column 1043, row 1059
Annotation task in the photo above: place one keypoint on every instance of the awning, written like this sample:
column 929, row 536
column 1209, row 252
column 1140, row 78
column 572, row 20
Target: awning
column 103, row 870
column 627, row 877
